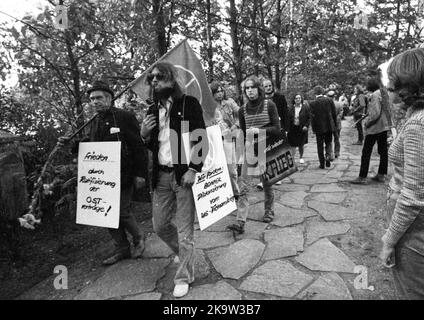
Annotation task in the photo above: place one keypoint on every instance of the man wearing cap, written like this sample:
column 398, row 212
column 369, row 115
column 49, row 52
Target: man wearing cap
column 112, row 124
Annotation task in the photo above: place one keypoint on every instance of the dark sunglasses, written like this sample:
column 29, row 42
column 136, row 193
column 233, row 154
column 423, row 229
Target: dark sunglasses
column 159, row 76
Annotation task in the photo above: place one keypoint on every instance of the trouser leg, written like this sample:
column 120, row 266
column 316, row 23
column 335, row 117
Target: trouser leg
column 328, row 139
column 126, row 222
column 320, row 148
column 383, row 152
column 366, row 155
column 164, row 205
column 185, row 227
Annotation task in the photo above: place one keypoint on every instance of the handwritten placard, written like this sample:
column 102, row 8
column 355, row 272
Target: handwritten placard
column 99, row 187
column 212, row 191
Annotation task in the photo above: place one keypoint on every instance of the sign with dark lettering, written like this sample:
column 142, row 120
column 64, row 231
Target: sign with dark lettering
column 212, row 190
column 279, row 161
column 99, row 188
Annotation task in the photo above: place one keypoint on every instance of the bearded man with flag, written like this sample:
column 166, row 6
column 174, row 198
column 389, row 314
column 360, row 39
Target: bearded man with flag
column 171, row 113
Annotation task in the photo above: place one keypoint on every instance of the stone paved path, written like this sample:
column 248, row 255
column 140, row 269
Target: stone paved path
column 300, row 255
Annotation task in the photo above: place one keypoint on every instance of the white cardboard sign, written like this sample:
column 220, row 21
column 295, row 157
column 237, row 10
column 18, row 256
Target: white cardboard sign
column 99, row 187
column 212, row 191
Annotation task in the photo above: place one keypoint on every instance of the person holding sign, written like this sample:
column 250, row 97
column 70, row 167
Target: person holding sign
column 112, row 124
column 256, row 115
column 171, row 114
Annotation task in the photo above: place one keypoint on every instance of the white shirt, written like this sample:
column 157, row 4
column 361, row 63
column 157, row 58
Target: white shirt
column 165, row 155
column 296, row 114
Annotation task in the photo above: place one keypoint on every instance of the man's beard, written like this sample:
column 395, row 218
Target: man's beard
column 162, row 93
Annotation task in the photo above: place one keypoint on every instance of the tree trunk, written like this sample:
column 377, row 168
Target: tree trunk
column 73, row 63
column 160, row 31
column 277, row 47
column 236, row 48
column 255, row 38
column 209, row 41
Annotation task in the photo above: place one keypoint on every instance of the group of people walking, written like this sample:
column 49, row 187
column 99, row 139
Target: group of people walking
column 267, row 110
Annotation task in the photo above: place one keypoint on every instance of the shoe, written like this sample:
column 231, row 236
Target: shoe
column 260, row 186
column 176, row 259
column 278, row 182
column 301, row 161
column 321, row 166
column 268, row 217
column 180, row 290
column 327, row 163
column 118, row 256
column 139, row 249
column 359, row 180
column 379, row 178
column 237, row 227
column 336, row 155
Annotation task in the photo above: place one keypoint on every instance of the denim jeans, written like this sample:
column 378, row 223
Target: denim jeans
column 408, row 274
column 127, row 222
column 245, row 181
column 171, row 200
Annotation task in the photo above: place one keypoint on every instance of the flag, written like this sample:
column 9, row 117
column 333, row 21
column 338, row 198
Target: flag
column 191, row 77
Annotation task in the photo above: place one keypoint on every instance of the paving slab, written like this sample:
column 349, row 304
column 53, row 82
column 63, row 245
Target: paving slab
column 312, row 179
column 327, row 287
column 283, row 242
column 325, row 256
column 291, row 187
column 278, row 278
column 208, row 240
column 327, row 188
column 221, row 225
column 127, row 277
column 286, row 216
column 156, row 248
column 336, row 197
column 316, row 230
column 292, row 199
column 215, row 291
column 332, row 212
column 238, row 259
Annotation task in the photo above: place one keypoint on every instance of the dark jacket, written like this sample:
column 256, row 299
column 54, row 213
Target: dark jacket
column 185, row 108
column 304, row 116
column 324, row 116
column 283, row 113
column 133, row 152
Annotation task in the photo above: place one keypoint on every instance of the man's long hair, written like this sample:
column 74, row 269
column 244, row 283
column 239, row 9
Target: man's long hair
column 170, row 75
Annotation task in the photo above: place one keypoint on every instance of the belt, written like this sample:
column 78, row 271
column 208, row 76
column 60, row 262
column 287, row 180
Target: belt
column 166, row 168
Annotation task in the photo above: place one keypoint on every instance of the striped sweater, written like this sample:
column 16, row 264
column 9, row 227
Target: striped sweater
column 407, row 155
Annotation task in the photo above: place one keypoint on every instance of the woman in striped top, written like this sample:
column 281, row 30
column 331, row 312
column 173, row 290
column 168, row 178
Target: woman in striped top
column 258, row 116
column 403, row 242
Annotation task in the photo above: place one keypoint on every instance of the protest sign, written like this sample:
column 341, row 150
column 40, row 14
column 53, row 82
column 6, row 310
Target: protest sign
column 279, row 161
column 99, row 187
column 212, row 191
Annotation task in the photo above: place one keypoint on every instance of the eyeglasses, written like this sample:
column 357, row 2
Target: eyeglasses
column 151, row 76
